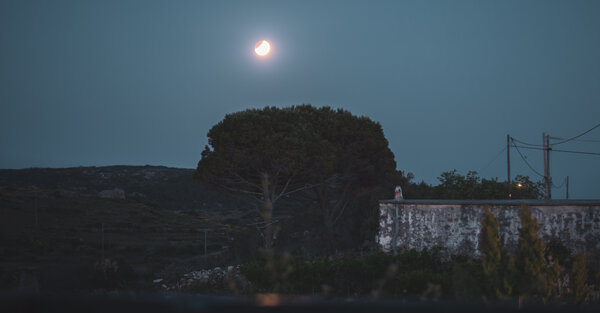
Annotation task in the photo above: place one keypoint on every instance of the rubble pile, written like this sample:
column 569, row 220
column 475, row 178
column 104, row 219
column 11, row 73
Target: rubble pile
column 208, row 280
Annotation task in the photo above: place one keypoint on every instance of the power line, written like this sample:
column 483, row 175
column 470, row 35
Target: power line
column 525, row 159
column 559, row 150
column 585, row 132
column 561, row 185
column 586, row 140
column 578, row 152
column 492, row 161
column 580, row 140
column 562, row 140
column 525, row 143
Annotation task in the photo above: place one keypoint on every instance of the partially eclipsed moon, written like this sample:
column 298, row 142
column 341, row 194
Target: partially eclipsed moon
column 262, row 48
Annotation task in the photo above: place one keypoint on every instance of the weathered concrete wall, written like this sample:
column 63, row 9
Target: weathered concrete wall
column 455, row 225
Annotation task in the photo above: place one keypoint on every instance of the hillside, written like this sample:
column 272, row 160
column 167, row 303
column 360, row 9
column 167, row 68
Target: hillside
column 57, row 224
column 164, row 187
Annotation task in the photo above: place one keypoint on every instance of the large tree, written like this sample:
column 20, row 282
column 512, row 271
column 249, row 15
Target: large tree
column 350, row 172
column 261, row 153
column 337, row 158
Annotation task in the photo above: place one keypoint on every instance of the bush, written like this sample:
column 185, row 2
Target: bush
column 112, row 274
column 579, row 275
column 410, row 272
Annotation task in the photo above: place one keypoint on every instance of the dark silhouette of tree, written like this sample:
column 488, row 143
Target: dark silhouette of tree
column 262, row 154
column 351, row 171
column 338, row 159
column 457, row 186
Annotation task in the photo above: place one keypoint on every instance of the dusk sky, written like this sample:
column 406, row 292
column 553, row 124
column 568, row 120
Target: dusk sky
column 93, row 83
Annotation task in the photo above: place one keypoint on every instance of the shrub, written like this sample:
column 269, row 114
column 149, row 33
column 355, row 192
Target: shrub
column 409, row 272
column 530, row 257
column 579, row 274
column 111, row 274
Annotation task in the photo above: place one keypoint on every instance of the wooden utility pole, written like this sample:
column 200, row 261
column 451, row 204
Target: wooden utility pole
column 548, row 158
column 567, row 187
column 508, row 164
column 545, row 161
column 547, row 179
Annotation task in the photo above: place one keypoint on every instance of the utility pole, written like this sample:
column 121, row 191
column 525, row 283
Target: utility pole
column 548, row 158
column 547, row 179
column 567, row 187
column 508, row 164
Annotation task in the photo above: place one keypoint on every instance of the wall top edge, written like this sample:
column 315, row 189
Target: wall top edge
column 562, row 202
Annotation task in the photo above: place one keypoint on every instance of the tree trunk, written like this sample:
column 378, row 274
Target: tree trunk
column 329, row 234
column 267, row 212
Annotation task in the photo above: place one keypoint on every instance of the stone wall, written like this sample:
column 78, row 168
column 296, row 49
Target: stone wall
column 455, row 225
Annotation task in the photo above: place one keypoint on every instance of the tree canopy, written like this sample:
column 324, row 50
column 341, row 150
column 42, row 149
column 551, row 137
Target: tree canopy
column 351, row 172
column 454, row 185
column 332, row 155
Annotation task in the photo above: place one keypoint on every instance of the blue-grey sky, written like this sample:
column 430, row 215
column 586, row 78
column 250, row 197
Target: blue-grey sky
column 141, row 82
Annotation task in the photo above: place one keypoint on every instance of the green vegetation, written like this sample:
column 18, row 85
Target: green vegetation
column 498, row 267
column 579, row 275
column 456, row 186
column 530, row 278
column 260, row 153
column 409, row 273
column 65, row 247
column 337, row 160
column 530, row 257
column 315, row 175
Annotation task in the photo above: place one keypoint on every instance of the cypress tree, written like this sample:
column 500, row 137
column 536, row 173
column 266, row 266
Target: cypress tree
column 491, row 247
column 579, row 274
column 551, row 287
column 530, row 257
column 497, row 267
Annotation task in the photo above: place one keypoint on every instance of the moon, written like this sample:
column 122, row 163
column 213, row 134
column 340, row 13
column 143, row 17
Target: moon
column 262, row 48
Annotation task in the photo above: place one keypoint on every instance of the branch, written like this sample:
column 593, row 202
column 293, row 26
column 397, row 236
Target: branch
column 251, row 193
column 343, row 202
column 287, row 183
column 296, row 190
column 244, row 180
column 341, row 212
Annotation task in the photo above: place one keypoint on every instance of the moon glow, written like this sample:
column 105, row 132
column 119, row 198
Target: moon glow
column 262, row 48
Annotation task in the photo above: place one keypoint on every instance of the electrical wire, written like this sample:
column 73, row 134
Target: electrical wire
column 492, row 161
column 525, row 143
column 561, row 185
column 560, row 150
column 585, row 132
column 583, row 140
column 586, row 140
column 525, row 159
column 577, row 152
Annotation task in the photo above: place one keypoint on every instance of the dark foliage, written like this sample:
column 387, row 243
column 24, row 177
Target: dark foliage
column 111, row 274
column 378, row 274
column 340, row 162
column 457, row 186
